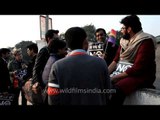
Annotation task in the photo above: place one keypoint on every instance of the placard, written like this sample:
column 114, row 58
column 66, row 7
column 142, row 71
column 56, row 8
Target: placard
column 6, row 100
column 96, row 49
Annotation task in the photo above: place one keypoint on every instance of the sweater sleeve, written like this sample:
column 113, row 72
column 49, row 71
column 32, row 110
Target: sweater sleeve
column 53, row 87
column 116, row 58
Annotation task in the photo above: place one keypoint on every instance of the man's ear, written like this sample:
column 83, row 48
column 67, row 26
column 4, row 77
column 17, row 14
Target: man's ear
column 129, row 29
column 85, row 44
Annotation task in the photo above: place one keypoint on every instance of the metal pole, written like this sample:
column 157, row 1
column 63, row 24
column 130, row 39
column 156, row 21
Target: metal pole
column 47, row 22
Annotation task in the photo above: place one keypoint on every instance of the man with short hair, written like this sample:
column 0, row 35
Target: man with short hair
column 136, row 54
column 110, row 48
column 17, row 68
column 39, row 65
column 78, row 79
column 32, row 51
column 42, row 57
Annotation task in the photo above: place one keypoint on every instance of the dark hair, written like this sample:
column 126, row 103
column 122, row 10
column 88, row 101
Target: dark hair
column 56, row 44
column 50, row 34
column 75, row 37
column 101, row 29
column 132, row 21
column 4, row 51
column 33, row 47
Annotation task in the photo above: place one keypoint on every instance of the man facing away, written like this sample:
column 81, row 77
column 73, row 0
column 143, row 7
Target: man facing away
column 78, row 79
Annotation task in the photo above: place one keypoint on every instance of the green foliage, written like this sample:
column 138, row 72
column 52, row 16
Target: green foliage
column 90, row 30
column 23, row 45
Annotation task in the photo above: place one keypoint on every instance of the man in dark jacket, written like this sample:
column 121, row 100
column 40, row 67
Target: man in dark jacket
column 42, row 57
column 17, row 68
column 110, row 48
column 39, row 65
column 32, row 51
column 5, row 82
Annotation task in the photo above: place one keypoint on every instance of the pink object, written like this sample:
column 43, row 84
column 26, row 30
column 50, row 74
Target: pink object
column 112, row 33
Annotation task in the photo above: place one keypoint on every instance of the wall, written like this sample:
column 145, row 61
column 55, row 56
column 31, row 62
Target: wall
column 144, row 97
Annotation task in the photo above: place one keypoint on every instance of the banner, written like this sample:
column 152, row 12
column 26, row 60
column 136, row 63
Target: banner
column 6, row 99
column 122, row 66
column 96, row 49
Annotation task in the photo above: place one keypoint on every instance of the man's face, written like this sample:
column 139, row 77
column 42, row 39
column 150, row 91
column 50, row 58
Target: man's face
column 125, row 33
column 29, row 52
column 7, row 55
column 62, row 52
column 18, row 56
column 100, row 36
column 55, row 35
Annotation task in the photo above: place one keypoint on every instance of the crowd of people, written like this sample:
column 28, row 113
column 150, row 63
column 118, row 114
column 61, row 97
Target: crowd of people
column 63, row 73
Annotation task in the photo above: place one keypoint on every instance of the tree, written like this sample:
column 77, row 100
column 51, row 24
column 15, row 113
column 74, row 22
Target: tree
column 23, row 45
column 90, row 30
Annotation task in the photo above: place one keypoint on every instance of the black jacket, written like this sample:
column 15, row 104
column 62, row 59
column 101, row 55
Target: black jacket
column 4, row 76
column 110, row 52
column 40, row 63
column 30, row 69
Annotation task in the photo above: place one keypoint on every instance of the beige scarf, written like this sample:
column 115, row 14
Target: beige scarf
column 130, row 47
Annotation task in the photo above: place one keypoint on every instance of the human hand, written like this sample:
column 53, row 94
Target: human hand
column 36, row 88
column 102, row 56
column 114, row 80
column 14, row 72
column 24, row 66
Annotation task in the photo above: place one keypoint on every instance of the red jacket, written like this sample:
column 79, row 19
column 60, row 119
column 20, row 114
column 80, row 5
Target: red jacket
column 143, row 72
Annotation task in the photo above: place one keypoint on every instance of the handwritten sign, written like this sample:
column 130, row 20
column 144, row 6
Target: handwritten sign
column 121, row 67
column 6, row 100
column 96, row 49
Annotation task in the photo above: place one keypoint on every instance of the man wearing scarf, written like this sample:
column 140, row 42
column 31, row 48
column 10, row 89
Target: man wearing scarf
column 137, row 48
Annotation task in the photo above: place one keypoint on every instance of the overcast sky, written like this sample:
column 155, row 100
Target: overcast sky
column 15, row 28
